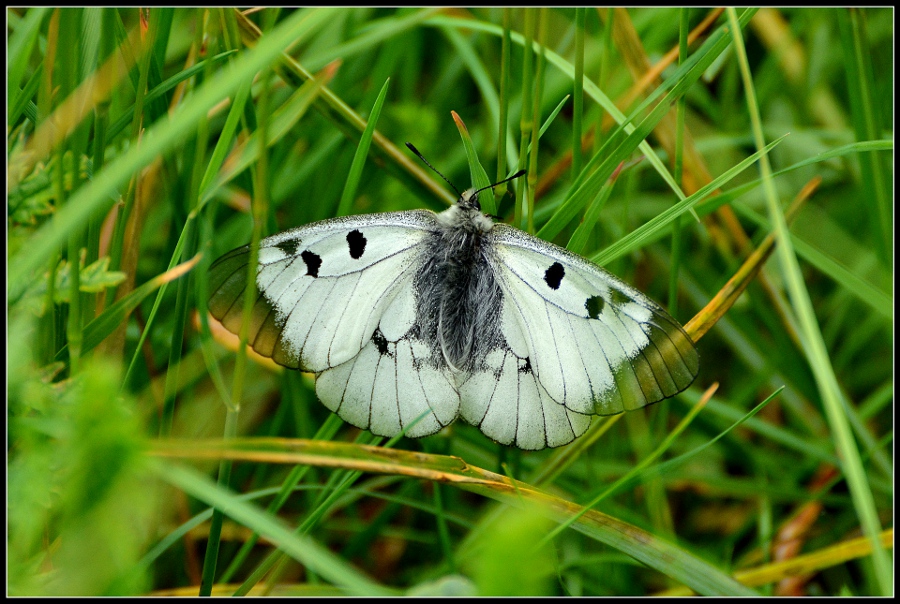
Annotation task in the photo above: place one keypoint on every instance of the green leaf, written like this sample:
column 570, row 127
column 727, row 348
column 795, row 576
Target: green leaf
column 480, row 179
column 111, row 318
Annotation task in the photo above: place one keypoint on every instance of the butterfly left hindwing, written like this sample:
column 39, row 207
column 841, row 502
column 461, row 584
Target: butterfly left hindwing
column 388, row 386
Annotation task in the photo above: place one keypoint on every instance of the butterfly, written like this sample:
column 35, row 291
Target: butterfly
column 412, row 319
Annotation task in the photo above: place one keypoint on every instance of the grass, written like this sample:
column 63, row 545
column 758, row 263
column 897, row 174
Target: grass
column 146, row 456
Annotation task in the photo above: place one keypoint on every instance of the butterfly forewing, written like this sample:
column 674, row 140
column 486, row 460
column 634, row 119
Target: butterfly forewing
column 595, row 344
column 322, row 289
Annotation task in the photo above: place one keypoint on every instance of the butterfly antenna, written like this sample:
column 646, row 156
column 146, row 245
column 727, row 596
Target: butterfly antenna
column 416, row 151
column 513, row 177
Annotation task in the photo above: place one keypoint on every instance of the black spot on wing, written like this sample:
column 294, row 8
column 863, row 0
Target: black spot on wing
column 525, row 365
column 357, row 244
column 288, row 246
column 554, row 275
column 381, row 343
column 313, row 262
column 594, row 306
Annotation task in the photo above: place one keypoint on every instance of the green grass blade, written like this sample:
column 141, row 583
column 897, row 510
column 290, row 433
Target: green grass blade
column 637, row 543
column 301, row 548
column 359, row 158
column 112, row 317
column 867, row 126
column 851, row 280
column 637, row 238
column 158, row 91
column 686, row 75
column 817, row 354
column 578, row 92
column 480, row 179
column 287, row 116
column 98, row 195
column 20, row 45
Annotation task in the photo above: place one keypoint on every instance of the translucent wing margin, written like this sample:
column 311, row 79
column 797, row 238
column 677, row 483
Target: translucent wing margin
column 595, row 344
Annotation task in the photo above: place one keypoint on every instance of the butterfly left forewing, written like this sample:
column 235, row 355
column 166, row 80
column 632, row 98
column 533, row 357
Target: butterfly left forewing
column 595, row 344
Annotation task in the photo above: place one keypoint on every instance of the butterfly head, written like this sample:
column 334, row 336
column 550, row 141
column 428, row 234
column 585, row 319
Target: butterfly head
column 469, row 200
column 466, row 214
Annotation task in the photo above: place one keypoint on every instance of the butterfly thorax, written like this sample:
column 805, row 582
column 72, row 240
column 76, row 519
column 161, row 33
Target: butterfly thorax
column 457, row 289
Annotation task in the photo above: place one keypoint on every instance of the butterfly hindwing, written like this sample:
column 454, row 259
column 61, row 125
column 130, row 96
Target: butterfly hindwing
column 596, row 345
column 504, row 399
column 390, row 386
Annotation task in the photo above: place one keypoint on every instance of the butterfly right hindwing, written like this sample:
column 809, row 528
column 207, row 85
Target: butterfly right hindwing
column 505, row 400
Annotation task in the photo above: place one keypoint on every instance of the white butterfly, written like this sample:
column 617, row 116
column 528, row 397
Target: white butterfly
column 405, row 314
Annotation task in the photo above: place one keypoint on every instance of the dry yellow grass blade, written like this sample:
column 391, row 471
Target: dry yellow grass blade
column 851, row 549
column 725, row 299
column 643, row 80
column 627, row 538
column 250, row 35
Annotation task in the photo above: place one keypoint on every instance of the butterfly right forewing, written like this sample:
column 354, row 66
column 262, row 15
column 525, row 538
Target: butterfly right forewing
column 321, row 289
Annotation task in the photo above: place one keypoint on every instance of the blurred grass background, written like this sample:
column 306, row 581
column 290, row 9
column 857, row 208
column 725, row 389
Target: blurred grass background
column 134, row 145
